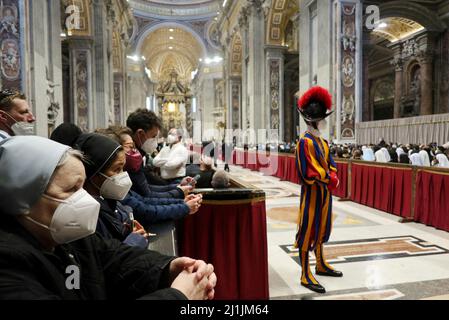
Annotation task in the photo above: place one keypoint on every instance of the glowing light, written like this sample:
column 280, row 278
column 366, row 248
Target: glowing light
column 171, row 107
column 382, row 25
column 134, row 58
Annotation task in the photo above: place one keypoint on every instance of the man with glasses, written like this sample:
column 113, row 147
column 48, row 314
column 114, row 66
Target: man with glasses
column 16, row 117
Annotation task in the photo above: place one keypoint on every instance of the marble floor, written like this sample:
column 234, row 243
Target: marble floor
column 381, row 258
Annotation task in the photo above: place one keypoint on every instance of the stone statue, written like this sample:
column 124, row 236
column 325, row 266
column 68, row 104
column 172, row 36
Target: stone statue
column 415, row 91
column 53, row 106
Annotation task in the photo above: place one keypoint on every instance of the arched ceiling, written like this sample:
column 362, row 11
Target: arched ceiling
column 168, row 49
column 176, row 8
column 280, row 13
column 397, row 28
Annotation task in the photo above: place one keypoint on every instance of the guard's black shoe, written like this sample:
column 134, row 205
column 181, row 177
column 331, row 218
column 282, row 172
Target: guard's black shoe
column 330, row 273
column 314, row 287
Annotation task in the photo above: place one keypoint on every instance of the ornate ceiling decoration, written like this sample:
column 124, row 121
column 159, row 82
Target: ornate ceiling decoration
column 396, row 28
column 166, row 50
column 178, row 9
column 280, row 13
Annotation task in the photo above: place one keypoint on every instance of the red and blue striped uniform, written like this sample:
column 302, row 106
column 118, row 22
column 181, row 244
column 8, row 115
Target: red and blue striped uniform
column 314, row 164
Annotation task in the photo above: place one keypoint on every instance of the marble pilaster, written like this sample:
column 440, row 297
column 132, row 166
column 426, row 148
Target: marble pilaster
column 275, row 88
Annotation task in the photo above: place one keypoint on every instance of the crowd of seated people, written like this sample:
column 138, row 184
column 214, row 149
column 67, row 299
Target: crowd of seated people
column 425, row 155
column 86, row 201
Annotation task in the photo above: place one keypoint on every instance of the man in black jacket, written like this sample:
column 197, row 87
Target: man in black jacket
column 48, row 249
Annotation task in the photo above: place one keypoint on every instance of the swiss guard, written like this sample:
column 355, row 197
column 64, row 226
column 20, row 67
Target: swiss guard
column 318, row 177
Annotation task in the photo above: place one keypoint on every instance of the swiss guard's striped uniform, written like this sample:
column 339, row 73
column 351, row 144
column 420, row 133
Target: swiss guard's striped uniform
column 315, row 215
column 318, row 175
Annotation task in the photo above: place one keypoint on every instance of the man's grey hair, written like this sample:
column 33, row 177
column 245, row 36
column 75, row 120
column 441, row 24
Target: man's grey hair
column 220, row 180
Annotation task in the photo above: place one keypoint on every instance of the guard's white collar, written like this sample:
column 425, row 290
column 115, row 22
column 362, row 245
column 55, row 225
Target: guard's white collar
column 314, row 131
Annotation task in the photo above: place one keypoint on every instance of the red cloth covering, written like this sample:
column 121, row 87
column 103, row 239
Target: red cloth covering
column 233, row 237
column 252, row 160
column 280, row 167
column 239, row 158
column 386, row 189
column 432, row 194
column 342, row 173
column 290, row 169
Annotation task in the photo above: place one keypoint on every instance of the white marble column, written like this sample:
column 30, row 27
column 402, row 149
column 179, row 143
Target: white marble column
column 256, row 65
column 43, row 66
column 103, row 77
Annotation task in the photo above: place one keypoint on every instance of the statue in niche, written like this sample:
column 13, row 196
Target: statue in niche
column 215, row 35
column 219, row 101
column 411, row 103
column 415, row 91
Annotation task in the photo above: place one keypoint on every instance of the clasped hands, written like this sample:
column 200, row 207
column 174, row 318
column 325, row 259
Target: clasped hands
column 194, row 278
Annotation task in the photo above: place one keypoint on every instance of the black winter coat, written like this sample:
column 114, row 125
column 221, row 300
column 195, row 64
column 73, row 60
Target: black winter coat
column 108, row 269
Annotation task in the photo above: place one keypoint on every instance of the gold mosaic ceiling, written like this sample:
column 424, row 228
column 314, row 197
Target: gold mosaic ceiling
column 171, row 48
column 395, row 28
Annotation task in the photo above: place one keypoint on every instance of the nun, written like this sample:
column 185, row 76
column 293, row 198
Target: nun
column 48, row 245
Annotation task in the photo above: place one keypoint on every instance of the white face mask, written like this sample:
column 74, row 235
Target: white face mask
column 150, row 145
column 116, row 187
column 75, row 218
column 22, row 128
column 171, row 139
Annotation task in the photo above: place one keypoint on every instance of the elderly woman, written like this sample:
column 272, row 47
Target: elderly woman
column 47, row 243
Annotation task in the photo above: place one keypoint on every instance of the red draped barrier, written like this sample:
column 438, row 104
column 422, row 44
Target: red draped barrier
column 281, row 166
column 385, row 188
column 252, row 161
column 290, row 170
column 432, row 193
column 233, row 237
column 342, row 172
